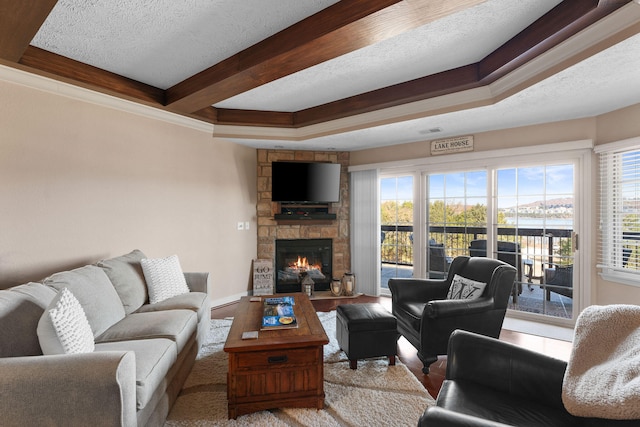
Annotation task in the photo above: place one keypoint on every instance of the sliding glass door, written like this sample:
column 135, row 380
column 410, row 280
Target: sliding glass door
column 535, row 206
column 396, row 230
column 520, row 215
column 521, row 209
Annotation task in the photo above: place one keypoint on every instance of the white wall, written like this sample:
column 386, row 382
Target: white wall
column 80, row 182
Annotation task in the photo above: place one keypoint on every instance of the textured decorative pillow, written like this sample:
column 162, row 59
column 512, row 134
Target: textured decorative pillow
column 164, row 277
column 463, row 288
column 64, row 328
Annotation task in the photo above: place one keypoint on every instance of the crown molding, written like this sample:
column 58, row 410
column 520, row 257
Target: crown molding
column 45, row 84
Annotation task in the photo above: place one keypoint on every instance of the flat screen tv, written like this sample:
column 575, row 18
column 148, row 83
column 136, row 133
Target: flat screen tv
column 303, row 182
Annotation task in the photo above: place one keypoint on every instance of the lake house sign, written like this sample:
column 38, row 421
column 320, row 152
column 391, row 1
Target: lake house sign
column 451, row 145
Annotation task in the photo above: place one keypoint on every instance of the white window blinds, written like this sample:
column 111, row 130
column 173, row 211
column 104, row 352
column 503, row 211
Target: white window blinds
column 365, row 231
column 619, row 216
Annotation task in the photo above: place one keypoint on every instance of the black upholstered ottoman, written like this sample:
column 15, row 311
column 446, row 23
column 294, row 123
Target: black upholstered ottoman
column 366, row 330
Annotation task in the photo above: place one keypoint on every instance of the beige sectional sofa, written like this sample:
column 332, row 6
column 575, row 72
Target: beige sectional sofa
column 142, row 356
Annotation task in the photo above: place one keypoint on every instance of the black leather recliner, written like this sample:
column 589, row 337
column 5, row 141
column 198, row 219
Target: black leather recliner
column 492, row 383
column 426, row 318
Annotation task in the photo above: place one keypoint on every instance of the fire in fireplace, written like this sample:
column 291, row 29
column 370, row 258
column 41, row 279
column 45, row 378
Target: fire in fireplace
column 296, row 258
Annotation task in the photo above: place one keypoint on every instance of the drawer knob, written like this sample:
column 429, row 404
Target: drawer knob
column 278, row 359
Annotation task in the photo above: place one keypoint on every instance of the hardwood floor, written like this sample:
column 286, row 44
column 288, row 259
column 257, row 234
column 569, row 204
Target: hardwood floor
column 408, row 354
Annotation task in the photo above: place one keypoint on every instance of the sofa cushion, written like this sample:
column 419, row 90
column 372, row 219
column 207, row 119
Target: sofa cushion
column 164, row 277
column 97, row 296
column 20, row 310
column 176, row 325
column 154, row 359
column 125, row 273
column 194, row 301
column 63, row 327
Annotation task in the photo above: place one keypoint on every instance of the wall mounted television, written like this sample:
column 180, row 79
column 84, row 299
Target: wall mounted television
column 305, row 182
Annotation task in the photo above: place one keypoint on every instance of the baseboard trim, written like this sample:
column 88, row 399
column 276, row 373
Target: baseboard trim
column 540, row 329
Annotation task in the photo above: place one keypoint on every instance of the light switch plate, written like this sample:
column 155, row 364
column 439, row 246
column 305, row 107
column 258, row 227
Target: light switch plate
column 240, row 226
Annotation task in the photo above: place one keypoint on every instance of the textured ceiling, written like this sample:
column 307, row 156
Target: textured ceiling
column 163, row 42
column 451, row 42
column 605, row 82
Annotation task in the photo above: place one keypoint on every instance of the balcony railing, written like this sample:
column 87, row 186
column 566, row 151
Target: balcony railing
column 551, row 246
column 542, row 254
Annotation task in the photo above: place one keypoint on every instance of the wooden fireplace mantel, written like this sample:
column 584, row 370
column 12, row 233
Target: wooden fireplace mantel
column 311, row 214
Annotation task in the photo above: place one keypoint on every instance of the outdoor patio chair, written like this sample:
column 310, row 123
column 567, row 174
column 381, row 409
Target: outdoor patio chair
column 438, row 261
column 508, row 252
column 559, row 279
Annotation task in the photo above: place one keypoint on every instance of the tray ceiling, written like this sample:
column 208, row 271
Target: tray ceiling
column 347, row 75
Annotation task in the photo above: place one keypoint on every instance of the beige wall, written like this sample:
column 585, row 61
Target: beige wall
column 618, row 125
column 80, row 182
column 573, row 130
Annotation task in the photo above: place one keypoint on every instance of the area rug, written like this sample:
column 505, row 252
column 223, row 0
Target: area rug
column 375, row 394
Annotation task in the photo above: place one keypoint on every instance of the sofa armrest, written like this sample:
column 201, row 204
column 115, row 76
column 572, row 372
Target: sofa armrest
column 441, row 417
column 73, row 390
column 197, row 281
column 457, row 307
column 505, row 367
column 415, row 290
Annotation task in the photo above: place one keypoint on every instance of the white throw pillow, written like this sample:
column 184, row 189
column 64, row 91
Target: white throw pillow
column 64, row 328
column 463, row 288
column 164, row 277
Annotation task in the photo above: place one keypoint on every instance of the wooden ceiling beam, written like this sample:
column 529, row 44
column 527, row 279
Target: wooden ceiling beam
column 448, row 82
column 344, row 27
column 43, row 62
column 562, row 22
column 339, row 29
column 20, row 20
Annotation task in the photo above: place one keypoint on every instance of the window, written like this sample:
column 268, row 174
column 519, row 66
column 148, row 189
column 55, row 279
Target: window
column 457, row 214
column 619, row 221
column 521, row 215
column 396, row 231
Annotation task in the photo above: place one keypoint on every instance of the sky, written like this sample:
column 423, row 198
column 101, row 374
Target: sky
column 514, row 185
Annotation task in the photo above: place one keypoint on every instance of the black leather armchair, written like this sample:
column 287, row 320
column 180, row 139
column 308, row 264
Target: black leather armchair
column 492, row 383
column 426, row 318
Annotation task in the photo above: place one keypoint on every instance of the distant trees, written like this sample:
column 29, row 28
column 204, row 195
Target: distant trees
column 397, row 245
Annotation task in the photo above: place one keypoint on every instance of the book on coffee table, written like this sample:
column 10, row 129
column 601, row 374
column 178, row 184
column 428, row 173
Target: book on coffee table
column 278, row 313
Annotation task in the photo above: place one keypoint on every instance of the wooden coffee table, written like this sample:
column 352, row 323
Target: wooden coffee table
column 282, row 367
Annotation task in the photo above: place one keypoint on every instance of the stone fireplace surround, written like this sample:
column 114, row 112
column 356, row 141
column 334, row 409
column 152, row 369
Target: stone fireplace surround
column 269, row 229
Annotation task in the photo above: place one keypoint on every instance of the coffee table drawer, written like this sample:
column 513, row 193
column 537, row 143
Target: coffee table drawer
column 279, row 359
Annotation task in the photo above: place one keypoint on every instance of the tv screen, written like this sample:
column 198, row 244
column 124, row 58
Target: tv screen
column 300, row 182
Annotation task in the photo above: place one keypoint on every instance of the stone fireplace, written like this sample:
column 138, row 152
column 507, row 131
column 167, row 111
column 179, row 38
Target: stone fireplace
column 296, row 258
column 336, row 230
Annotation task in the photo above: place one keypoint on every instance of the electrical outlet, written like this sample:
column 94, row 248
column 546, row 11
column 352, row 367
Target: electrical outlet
column 240, row 226
column 246, row 225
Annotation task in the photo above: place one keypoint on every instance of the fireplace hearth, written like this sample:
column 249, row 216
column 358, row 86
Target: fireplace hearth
column 296, row 258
